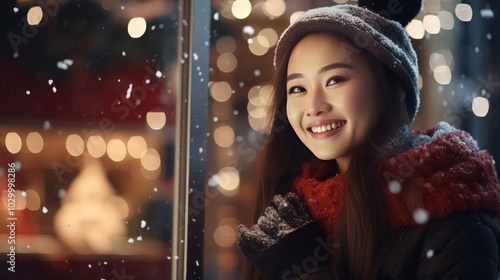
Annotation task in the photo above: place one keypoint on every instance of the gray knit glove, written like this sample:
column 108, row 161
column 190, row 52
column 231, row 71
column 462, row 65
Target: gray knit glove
column 286, row 241
column 283, row 216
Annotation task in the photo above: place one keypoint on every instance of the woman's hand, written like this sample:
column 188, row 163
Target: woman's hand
column 286, row 242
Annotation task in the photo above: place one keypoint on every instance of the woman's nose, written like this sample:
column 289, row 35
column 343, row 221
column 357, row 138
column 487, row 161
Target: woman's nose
column 317, row 105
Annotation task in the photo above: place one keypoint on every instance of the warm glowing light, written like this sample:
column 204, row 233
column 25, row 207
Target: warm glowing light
column 416, row 29
column 241, row 9
column 151, row 160
column 442, row 74
column 34, row 142
column 432, row 24
column 96, row 146
column 13, row 142
column 257, row 124
column 137, row 146
column 35, row 15
column 116, row 150
column 156, row 120
column 256, row 111
column 224, row 136
column 228, row 180
column 432, row 6
column 435, row 60
column 420, row 81
column 220, row 91
column 256, row 48
column 91, row 216
column 225, row 235
column 270, row 36
column 295, row 15
column 33, row 201
column 274, row 8
column 75, row 145
column 227, row 62
column 137, row 27
column 480, row 106
column 225, row 44
column 463, row 12
column 447, row 20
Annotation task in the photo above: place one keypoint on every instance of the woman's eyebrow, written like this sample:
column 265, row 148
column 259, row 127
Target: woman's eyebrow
column 322, row 70
column 335, row 65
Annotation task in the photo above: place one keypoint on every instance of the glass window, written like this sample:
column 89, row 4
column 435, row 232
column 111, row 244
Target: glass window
column 87, row 137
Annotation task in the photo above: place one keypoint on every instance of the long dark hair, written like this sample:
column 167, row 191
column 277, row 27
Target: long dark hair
column 362, row 222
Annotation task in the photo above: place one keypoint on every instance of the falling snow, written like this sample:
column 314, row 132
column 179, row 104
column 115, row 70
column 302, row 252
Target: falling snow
column 45, row 210
column 216, row 16
column 216, row 119
column 46, row 125
column 50, row 82
column 23, row 194
column 158, row 74
column 64, row 64
column 28, row 92
column 124, row 53
column 430, row 253
column 256, row 72
column 131, row 240
column 143, row 224
column 54, row 89
column 487, row 13
column 16, row 9
column 394, row 187
column 61, row 193
column 248, row 30
column 420, row 216
column 129, row 91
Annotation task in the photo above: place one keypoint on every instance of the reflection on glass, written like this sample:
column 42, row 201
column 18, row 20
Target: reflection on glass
column 86, row 136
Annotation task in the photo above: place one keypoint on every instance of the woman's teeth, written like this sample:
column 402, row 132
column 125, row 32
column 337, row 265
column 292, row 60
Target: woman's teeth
column 326, row 127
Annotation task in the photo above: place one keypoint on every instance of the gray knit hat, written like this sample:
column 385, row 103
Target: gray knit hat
column 386, row 39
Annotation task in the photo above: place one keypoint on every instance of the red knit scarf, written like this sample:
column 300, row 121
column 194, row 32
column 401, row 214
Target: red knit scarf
column 450, row 172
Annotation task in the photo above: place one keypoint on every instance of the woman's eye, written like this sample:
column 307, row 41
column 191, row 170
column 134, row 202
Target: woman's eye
column 334, row 80
column 296, row 90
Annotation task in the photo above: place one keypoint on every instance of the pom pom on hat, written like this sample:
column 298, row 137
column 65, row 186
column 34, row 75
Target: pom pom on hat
column 400, row 11
column 370, row 31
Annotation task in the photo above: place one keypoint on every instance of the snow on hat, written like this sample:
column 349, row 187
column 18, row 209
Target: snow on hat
column 374, row 26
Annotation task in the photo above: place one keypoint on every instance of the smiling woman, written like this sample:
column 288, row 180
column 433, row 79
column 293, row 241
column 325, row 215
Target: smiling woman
column 331, row 104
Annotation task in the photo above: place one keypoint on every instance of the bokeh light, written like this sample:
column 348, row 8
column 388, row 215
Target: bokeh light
column 480, row 106
column 35, row 15
column 96, row 146
column 463, row 12
column 156, row 120
column 137, row 146
column 227, row 62
column 116, row 150
column 220, row 91
column 137, row 27
column 432, row 24
column 75, row 145
column 416, row 29
column 34, row 142
column 241, row 9
column 224, row 136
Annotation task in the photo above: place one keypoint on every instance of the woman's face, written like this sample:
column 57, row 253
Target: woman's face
column 331, row 97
